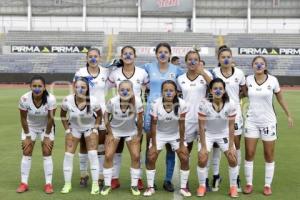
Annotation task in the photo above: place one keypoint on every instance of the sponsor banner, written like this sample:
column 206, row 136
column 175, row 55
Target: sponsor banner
column 48, row 49
column 176, row 51
column 167, row 5
column 269, row 51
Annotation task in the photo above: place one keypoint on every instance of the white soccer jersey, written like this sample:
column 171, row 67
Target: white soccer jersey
column 233, row 83
column 122, row 124
column 167, row 123
column 261, row 109
column 97, row 84
column 138, row 79
column 37, row 117
column 217, row 123
column 80, row 119
column 192, row 91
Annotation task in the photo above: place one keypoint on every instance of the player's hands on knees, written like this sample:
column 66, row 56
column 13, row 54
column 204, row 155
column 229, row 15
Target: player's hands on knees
column 183, row 149
column 203, row 152
column 27, row 144
column 47, row 143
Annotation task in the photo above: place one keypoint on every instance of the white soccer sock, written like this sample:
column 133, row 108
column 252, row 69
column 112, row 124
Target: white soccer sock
column 150, row 178
column 83, row 164
column 184, row 177
column 135, row 175
column 68, row 167
column 117, row 165
column 107, row 173
column 25, row 168
column 239, row 159
column 216, row 158
column 94, row 164
column 101, row 159
column 202, row 175
column 233, row 173
column 48, row 169
column 269, row 173
column 249, row 172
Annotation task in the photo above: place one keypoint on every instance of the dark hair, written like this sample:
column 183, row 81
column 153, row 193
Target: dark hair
column 225, row 96
column 192, row 52
column 87, row 95
column 132, row 98
column 92, row 49
column 45, row 92
column 222, row 49
column 175, row 99
column 174, row 58
column 163, row 44
column 264, row 59
column 203, row 62
column 129, row 47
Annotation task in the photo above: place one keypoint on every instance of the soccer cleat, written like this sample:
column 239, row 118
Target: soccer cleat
column 84, row 181
column 185, row 192
column 168, row 186
column 23, row 187
column 201, row 191
column 48, row 188
column 248, row 189
column 105, row 190
column 208, row 188
column 140, row 184
column 115, row 183
column 217, row 179
column 149, row 192
column 238, row 182
column 135, row 191
column 233, row 193
column 66, row 189
column 267, row 191
column 95, row 188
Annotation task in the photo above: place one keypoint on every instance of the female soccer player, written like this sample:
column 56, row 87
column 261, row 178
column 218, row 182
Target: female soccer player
column 81, row 121
column 193, row 86
column 216, row 125
column 234, row 79
column 120, row 120
column 37, row 110
column 97, row 77
column 139, row 79
column 167, row 127
column 261, row 121
column 158, row 72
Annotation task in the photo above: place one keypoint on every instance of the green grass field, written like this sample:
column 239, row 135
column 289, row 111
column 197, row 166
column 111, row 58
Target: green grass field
column 286, row 184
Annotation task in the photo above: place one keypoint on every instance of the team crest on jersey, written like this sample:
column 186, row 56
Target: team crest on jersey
column 103, row 79
column 250, row 85
column 118, row 79
column 269, row 87
column 236, row 80
column 138, row 81
column 201, row 81
column 172, row 75
column 183, row 82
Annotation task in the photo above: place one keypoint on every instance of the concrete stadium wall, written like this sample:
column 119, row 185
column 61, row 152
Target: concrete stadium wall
column 66, row 78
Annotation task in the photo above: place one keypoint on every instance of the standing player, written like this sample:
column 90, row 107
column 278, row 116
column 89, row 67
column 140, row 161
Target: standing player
column 139, row 79
column 37, row 110
column 167, row 127
column 193, row 86
column 216, row 125
column 234, row 79
column 261, row 121
column 96, row 76
column 120, row 120
column 158, row 72
column 81, row 121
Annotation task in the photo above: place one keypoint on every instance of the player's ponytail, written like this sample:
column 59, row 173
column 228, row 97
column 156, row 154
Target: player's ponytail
column 45, row 92
column 176, row 104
